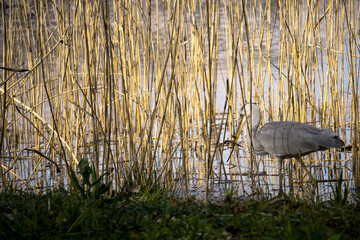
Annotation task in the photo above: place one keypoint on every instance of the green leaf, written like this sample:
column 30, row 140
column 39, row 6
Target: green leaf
column 94, row 178
column 85, row 171
column 75, row 183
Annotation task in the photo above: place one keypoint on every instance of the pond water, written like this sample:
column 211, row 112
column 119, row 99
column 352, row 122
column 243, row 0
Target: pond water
column 246, row 176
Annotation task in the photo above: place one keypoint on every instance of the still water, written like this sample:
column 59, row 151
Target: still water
column 245, row 175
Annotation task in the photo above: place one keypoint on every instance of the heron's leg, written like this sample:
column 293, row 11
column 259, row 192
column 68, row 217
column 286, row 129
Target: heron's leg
column 306, row 169
column 313, row 180
column 291, row 170
column 280, row 162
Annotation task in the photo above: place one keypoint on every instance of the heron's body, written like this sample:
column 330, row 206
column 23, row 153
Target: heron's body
column 286, row 139
column 294, row 139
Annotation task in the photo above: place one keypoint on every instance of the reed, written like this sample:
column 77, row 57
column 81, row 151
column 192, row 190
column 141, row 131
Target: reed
column 153, row 89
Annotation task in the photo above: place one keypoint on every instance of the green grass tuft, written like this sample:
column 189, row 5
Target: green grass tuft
column 132, row 216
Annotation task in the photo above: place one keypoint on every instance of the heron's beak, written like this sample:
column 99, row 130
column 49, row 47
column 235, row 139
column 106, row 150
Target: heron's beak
column 241, row 125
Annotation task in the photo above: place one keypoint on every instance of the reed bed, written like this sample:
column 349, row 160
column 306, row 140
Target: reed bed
column 152, row 89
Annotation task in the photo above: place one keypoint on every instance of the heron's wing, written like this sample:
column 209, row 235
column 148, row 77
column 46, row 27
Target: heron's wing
column 292, row 139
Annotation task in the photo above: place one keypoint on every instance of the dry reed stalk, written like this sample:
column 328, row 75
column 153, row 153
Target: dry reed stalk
column 354, row 85
column 134, row 85
column 3, row 98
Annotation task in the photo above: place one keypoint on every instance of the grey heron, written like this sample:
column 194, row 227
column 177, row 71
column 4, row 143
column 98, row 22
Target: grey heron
column 285, row 139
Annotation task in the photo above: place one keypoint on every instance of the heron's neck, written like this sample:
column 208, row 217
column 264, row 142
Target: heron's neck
column 253, row 125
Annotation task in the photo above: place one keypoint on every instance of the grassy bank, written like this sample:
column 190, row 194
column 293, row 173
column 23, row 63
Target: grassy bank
column 155, row 215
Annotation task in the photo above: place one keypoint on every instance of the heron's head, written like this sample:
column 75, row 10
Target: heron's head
column 251, row 114
column 250, row 110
